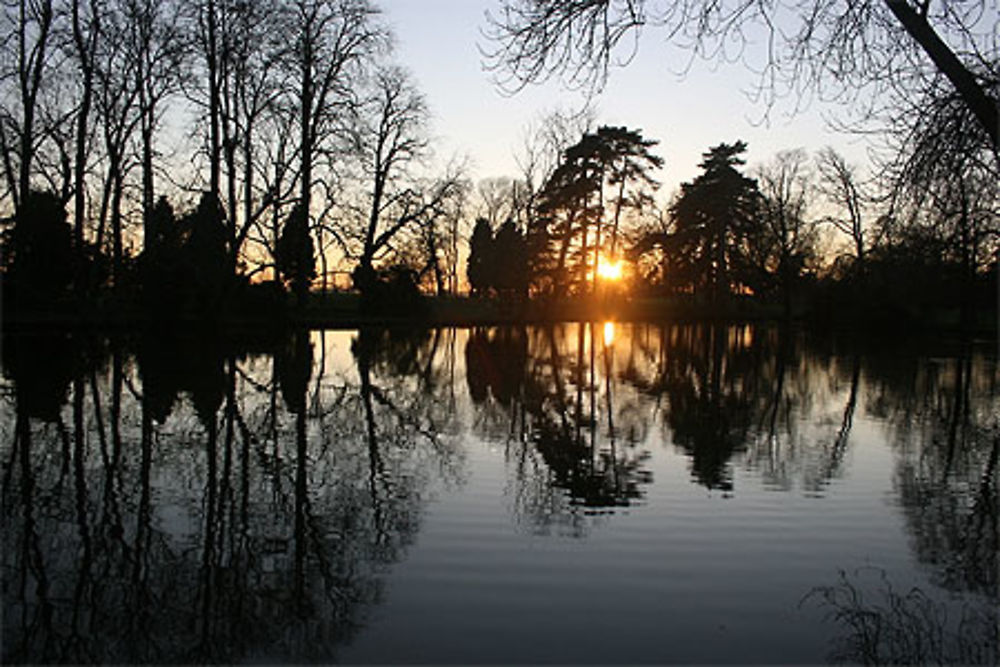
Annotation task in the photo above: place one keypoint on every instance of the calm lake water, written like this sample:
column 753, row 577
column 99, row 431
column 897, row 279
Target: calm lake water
column 581, row 493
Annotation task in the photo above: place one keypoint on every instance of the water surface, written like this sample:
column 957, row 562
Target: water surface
column 581, row 493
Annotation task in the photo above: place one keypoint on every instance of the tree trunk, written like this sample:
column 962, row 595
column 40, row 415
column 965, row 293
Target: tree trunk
column 148, row 115
column 306, row 121
column 83, row 115
column 214, row 152
column 30, row 84
column 116, row 228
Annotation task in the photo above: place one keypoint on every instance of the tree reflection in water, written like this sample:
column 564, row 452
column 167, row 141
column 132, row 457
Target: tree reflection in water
column 583, row 399
column 191, row 498
column 574, row 446
column 198, row 504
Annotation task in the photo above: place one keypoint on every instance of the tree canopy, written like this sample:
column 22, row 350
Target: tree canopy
column 715, row 217
column 601, row 177
column 834, row 49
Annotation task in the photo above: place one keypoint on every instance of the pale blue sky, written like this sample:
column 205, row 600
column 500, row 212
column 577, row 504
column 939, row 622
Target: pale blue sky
column 437, row 40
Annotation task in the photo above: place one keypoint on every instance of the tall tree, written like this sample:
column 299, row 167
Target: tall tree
column 391, row 142
column 40, row 263
column 602, row 175
column 27, row 59
column 86, row 37
column 629, row 164
column 839, row 185
column 570, row 205
column 714, row 215
column 118, row 115
column 294, row 254
column 158, row 55
column 785, row 238
column 334, row 41
column 510, row 261
column 479, row 267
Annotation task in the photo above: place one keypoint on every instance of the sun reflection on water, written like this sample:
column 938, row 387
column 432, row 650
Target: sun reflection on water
column 609, row 333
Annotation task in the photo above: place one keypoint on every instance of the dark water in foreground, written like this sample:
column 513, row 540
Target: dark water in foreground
column 584, row 493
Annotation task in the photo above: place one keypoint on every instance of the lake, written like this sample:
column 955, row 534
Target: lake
column 582, row 493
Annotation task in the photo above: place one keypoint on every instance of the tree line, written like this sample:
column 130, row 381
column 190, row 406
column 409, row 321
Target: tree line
column 792, row 230
column 920, row 78
column 183, row 151
column 285, row 128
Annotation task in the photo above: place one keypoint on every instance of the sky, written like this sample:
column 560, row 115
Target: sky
column 438, row 41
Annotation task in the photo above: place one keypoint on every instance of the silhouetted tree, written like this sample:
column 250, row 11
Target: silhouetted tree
column 479, row 267
column 510, row 261
column 334, row 40
column 942, row 178
column 118, row 116
column 838, row 183
column 157, row 55
column 294, row 254
column 571, row 202
column 713, row 216
column 162, row 232
column 784, row 241
column 27, row 59
column 206, row 252
column 40, row 259
column 86, row 37
column 581, row 205
column 162, row 273
column 391, row 138
column 628, row 164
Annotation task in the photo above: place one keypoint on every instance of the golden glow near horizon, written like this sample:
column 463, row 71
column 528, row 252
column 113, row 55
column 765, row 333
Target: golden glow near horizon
column 609, row 333
column 608, row 270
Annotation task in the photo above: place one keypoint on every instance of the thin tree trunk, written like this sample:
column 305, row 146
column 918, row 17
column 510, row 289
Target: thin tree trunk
column 214, row 152
column 30, row 84
column 85, row 55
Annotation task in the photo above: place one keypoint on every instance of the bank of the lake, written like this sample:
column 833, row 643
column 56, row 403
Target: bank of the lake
column 255, row 309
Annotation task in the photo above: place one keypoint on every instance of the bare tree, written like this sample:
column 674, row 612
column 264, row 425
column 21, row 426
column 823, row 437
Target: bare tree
column 788, row 235
column 260, row 88
column 542, row 149
column 845, row 51
column 334, row 40
column 86, row 37
column 390, row 139
column 498, row 199
column 29, row 27
column 838, row 183
column 116, row 107
column 158, row 55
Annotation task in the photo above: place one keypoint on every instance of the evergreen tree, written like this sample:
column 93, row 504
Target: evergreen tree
column 714, row 216
column 163, row 277
column 162, row 228
column 600, row 176
column 41, row 258
column 206, row 253
column 510, row 275
column 294, row 253
column 480, row 267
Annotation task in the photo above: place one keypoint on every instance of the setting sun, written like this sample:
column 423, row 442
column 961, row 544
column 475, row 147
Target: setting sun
column 609, row 270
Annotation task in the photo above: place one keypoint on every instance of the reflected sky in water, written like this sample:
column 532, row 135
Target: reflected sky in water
column 599, row 492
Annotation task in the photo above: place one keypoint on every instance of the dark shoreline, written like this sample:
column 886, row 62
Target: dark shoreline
column 340, row 311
